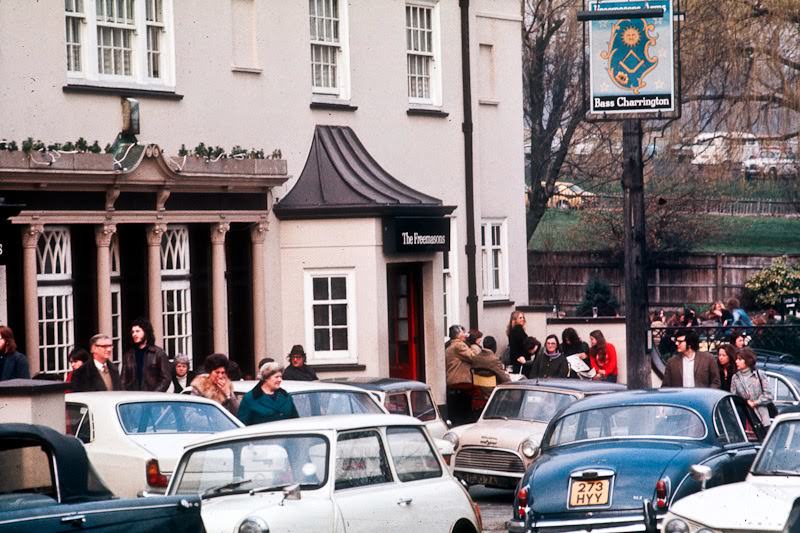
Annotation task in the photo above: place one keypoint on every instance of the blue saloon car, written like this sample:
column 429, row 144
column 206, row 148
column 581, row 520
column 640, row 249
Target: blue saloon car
column 48, row 485
column 616, row 462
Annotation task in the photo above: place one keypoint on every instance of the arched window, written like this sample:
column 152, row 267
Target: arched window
column 176, row 298
column 54, row 298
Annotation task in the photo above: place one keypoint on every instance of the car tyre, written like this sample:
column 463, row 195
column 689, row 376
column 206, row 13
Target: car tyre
column 463, row 526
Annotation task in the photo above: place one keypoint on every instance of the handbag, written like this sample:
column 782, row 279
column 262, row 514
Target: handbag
column 771, row 409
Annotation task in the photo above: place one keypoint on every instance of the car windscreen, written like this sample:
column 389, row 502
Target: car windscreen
column 522, row 404
column 172, row 417
column 781, row 453
column 627, row 421
column 259, row 463
column 318, row 403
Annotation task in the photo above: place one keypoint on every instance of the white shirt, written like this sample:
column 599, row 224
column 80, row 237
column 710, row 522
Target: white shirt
column 100, row 366
column 688, row 371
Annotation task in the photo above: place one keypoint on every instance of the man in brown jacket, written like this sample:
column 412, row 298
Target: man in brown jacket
column 690, row 367
column 145, row 366
column 487, row 361
column 458, row 362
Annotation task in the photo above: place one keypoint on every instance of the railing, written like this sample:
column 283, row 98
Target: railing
column 716, row 206
column 778, row 342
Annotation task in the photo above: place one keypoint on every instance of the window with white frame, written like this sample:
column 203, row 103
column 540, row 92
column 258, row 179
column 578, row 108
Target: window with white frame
column 423, row 53
column 176, row 298
column 119, row 42
column 450, row 280
column 116, row 300
column 329, row 47
column 494, row 253
column 54, row 298
column 330, row 314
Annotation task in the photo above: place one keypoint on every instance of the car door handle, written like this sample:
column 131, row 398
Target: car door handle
column 404, row 501
column 75, row 519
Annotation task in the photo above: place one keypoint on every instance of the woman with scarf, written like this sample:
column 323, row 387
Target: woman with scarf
column 603, row 357
column 551, row 363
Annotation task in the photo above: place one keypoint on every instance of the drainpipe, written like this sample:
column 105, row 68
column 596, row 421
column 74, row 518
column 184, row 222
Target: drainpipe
column 466, row 127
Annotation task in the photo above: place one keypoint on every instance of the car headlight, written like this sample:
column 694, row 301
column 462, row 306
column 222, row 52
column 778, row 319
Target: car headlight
column 253, row 524
column 676, row 525
column 452, row 438
column 529, row 448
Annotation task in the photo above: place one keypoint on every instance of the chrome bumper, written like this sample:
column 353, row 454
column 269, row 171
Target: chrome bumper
column 617, row 524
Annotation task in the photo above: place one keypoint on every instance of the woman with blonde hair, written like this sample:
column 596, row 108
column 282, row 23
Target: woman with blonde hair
column 516, row 340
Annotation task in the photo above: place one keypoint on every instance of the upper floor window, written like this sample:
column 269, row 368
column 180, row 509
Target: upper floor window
column 329, row 53
column 423, row 53
column 119, row 42
column 494, row 252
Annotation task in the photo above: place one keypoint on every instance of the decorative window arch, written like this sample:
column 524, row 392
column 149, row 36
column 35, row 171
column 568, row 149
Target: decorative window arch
column 54, row 298
column 176, row 296
column 116, row 299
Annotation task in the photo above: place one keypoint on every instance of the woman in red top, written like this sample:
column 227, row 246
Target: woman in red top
column 603, row 357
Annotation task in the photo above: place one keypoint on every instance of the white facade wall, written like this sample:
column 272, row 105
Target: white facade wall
column 266, row 105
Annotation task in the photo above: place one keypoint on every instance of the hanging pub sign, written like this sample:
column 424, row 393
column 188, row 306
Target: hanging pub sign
column 416, row 234
column 631, row 61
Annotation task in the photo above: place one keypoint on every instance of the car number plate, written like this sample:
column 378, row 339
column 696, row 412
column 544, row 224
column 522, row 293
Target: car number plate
column 588, row 492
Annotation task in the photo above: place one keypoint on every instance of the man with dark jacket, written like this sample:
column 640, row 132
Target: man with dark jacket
column 145, row 366
column 298, row 370
column 690, row 367
column 97, row 374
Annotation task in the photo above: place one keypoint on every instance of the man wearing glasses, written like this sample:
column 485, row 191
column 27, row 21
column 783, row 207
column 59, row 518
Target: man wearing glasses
column 99, row 374
column 690, row 367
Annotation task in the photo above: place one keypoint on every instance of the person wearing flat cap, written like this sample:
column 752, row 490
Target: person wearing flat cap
column 298, row 370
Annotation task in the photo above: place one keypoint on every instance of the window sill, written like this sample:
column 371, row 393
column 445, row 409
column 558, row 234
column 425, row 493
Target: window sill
column 344, row 367
column 488, row 101
column 426, row 112
column 120, row 91
column 498, row 303
column 331, row 104
column 246, row 70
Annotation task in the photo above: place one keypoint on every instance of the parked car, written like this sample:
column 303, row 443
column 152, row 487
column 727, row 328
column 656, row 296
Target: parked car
column 403, row 397
column 762, row 502
column 48, row 485
column 784, row 384
column 352, row 473
column 315, row 398
column 723, row 147
column 617, row 462
column 133, row 439
column 770, row 164
column 496, row 450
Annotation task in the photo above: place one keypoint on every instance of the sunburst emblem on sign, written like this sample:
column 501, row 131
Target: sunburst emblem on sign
column 628, row 54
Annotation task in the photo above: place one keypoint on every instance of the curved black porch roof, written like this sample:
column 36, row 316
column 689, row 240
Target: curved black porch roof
column 342, row 180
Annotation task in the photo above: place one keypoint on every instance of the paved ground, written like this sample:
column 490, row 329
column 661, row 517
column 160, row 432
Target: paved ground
column 495, row 507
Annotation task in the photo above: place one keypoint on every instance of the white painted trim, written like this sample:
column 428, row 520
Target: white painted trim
column 331, row 356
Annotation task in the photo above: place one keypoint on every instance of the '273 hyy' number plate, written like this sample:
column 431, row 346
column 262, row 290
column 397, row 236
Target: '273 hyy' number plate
column 588, row 492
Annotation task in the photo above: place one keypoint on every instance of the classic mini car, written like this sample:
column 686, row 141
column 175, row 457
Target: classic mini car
column 403, row 397
column 618, row 462
column 316, row 398
column 48, row 485
column 344, row 474
column 496, row 450
column 133, row 439
column 762, row 502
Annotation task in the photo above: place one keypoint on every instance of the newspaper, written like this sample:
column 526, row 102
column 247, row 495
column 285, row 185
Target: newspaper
column 580, row 367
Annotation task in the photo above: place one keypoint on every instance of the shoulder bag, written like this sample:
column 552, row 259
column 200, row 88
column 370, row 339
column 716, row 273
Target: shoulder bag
column 771, row 409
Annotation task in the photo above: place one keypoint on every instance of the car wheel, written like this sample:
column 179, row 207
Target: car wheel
column 463, row 526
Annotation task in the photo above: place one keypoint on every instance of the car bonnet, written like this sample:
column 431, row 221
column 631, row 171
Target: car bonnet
column 499, row 433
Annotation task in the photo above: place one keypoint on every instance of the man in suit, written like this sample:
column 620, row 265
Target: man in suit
column 98, row 374
column 690, row 367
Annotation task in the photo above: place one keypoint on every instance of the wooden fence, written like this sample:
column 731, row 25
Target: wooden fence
column 559, row 278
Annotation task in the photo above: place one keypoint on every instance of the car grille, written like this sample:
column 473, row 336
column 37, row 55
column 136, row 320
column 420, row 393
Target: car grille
column 489, row 459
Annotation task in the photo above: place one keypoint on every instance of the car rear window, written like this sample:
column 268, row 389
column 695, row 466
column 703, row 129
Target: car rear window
column 628, row 421
column 172, row 417
column 422, row 405
column 319, row 403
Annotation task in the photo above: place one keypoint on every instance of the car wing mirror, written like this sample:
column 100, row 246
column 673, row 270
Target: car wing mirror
column 449, row 423
column 291, row 492
column 701, row 473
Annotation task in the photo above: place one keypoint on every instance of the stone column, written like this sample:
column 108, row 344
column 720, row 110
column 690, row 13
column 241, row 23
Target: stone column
column 102, row 240
column 154, row 234
column 219, row 289
column 30, row 238
column 258, row 234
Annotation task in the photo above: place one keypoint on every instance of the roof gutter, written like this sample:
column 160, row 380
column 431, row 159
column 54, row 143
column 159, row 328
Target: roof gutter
column 466, row 127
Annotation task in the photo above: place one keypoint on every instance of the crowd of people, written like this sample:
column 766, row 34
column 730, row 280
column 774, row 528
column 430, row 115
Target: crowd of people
column 468, row 353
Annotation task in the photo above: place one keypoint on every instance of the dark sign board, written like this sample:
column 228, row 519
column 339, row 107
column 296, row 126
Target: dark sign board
column 402, row 235
column 791, row 303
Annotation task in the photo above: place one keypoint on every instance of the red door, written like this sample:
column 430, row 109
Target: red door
column 404, row 288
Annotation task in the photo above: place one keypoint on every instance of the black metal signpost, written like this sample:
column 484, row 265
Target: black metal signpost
column 634, row 73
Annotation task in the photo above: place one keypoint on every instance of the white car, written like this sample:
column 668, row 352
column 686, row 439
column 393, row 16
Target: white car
column 342, row 474
column 133, row 439
column 772, row 164
column 762, row 502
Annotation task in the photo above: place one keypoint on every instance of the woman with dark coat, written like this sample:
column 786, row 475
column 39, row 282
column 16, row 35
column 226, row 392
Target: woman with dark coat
column 13, row 364
column 267, row 401
column 726, row 361
column 551, row 363
column 516, row 340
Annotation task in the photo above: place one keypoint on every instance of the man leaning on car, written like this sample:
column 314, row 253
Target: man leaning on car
column 690, row 367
